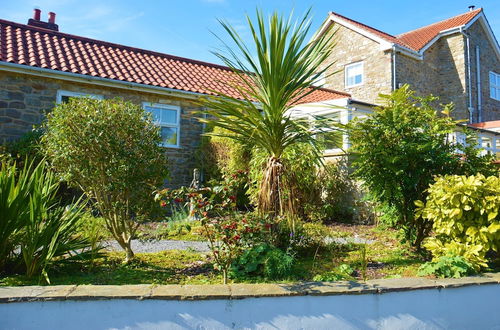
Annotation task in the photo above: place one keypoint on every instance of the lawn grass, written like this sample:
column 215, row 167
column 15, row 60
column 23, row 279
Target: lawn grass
column 385, row 258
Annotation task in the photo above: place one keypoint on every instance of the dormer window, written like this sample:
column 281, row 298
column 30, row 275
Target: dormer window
column 354, row 74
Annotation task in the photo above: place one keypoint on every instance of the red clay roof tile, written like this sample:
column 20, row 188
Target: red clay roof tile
column 416, row 39
column 39, row 47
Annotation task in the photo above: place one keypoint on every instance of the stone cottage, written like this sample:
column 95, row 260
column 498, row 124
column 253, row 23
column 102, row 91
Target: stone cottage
column 457, row 59
column 41, row 66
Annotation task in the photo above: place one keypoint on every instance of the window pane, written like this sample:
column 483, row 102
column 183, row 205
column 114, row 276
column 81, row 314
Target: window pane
column 330, row 140
column 155, row 113
column 486, row 142
column 168, row 116
column 492, row 79
column 354, row 74
column 169, row 135
column 64, row 99
column 492, row 93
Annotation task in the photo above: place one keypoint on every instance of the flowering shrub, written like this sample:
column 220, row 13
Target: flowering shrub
column 207, row 201
column 228, row 236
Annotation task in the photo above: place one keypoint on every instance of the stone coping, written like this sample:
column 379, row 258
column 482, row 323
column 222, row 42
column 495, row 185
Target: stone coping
column 233, row 291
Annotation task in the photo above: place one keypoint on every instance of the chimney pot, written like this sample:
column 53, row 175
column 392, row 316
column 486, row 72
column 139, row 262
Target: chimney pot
column 52, row 18
column 471, row 8
column 36, row 14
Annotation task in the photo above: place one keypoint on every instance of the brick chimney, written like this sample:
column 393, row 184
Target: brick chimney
column 36, row 20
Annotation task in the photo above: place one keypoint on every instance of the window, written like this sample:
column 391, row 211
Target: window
column 354, row 74
column 330, row 137
column 63, row 96
column 168, row 118
column 495, row 85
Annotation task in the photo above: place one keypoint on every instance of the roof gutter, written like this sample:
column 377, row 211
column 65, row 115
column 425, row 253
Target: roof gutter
column 81, row 78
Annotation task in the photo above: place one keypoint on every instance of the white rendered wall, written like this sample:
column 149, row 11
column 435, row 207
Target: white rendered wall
column 472, row 307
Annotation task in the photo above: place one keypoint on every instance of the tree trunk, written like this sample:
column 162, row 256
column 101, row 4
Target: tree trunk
column 224, row 276
column 270, row 199
column 129, row 252
column 126, row 246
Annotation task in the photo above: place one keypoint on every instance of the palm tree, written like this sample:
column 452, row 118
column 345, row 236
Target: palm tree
column 275, row 72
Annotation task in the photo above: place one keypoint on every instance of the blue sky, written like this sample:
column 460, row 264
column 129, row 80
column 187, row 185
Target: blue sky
column 183, row 28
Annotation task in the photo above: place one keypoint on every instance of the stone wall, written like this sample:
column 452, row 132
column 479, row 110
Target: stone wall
column 406, row 303
column 441, row 73
column 488, row 62
column 351, row 47
column 24, row 99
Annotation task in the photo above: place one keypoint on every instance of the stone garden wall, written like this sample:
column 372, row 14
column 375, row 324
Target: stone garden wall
column 24, row 100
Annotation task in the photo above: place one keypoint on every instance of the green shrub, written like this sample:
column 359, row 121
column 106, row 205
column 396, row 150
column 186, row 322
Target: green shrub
column 401, row 147
column 465, row 212
column 263, row 260
column 91, row 227
column 34, row 221
column 111, row 150
column 26, row 147
column 447, row 266
column 15, row 190
column 342, row 199
column 342, row 272
column 220, row 156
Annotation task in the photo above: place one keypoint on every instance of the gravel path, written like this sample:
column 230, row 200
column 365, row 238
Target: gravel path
column 341, row 240
column 158, row 246
column 164, row 245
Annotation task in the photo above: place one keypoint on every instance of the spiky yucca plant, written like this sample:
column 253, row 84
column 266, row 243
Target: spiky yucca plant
column 276, row 71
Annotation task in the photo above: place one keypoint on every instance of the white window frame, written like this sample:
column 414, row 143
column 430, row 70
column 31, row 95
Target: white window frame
column 61, row 93
column 361, row 63
column 496, row 86
column 176, row 125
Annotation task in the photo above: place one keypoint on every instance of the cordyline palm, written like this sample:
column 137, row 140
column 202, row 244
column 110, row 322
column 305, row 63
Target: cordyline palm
column 278, row 74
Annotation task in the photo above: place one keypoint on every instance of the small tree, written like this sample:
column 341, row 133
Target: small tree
column 272, row 72
column 401, row 148
column 111, row 150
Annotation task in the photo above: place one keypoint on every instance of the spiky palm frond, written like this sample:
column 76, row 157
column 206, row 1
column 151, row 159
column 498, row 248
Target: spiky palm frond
column 269, row 79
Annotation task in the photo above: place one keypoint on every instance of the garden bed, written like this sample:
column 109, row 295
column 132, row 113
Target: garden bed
column 386, row 257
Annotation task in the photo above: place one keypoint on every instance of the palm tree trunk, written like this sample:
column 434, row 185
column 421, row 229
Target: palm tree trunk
column 271, row 188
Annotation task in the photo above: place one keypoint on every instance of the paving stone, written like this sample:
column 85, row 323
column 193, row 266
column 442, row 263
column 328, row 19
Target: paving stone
column 191, row 292
column 240, row 291
column 402, row 284
column 336, row 288
column 35, row 293
column 86, row 292
column 465, row 281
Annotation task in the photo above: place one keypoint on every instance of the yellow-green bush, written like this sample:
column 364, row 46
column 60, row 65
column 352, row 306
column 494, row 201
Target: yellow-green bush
column 465, row 215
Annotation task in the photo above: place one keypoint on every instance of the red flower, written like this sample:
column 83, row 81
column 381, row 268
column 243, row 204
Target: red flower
column 163, row 203
column 233, row 198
